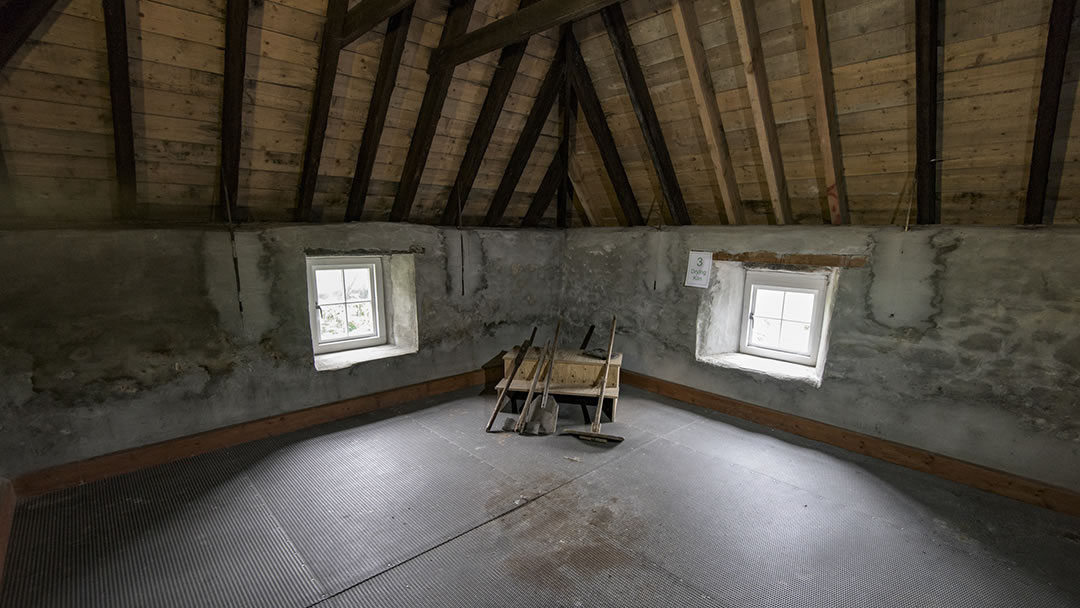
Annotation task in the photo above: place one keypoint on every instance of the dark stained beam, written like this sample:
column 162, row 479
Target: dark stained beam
column 534, row 125
column 928, row 205
column 320, row 107
column 7, row 194
column 1037, row 211
column 568, row 109
column 509, row 61
column 555, row 174
column 518, row 26
column 18, row 18
column 821, row 79
column 594, row 117
column 641, row 100
column 120, row 94
column 367, row 14
column 397, row 32
column 457, row 21
column 232, row 103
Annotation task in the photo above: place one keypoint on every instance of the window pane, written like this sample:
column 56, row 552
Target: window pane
column 358, row 284
column 795, row 337
column 768, row 303
column 765, row 333
column 361, row 320
column 799, row 306
column 332, row 322
column 329, row 285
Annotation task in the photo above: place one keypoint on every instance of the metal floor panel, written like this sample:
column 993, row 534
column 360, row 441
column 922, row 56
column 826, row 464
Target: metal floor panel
column 417, row 506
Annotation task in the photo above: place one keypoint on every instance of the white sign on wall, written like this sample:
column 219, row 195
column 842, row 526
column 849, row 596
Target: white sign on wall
column 698, row 269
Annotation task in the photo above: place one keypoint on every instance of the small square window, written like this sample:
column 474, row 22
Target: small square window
column 782, row 315
column 346, row 303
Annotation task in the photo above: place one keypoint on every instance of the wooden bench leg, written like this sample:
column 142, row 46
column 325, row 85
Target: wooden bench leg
column 614, row 403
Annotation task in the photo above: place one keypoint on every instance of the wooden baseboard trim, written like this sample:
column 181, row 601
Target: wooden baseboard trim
column 125, row 461
column 952, row 469
column 7, row 515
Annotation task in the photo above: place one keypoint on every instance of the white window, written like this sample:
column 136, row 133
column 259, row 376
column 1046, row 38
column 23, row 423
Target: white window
column 345, row 301
column 782, row 315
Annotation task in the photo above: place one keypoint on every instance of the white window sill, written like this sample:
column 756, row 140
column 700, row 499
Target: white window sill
column 347, row 358
column 781, row 370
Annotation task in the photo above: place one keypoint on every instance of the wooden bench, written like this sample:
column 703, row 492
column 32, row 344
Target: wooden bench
column 575, row 375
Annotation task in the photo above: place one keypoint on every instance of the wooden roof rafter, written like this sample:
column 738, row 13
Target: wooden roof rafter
column 232, row 106
column 568, row 118
column 927, row 201
column 116, row 31
column 19, row 19
column 641, row 100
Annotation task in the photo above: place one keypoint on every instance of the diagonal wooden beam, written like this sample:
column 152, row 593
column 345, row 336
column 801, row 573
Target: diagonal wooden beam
column 534, row 125
column 641, row 100
column 320, row 107
column 457, row 21
column 18, row 18
column 1036, row 210
column 757, row 85
column 120, row 94
column 518, row 26
column 686, row 25
column 568, row 108
column 367, row 14
column 397, row 32
column 232, row 104
column 494, row 100
column 594, row 117
column 928, row 206
column 588, row 217
column 821, row 79
column 555, row 174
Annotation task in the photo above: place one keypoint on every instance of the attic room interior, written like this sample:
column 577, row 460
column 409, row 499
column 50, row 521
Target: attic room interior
column 723, row 303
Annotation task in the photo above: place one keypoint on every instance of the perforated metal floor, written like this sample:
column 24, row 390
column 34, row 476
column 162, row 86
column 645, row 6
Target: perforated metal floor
column 418, row 507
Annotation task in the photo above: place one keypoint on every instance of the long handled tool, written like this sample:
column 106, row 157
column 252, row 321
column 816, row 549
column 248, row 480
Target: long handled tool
column 542, row 417
column 522, row 351
column 511, row 425
column 526, row 412
column 594, row 434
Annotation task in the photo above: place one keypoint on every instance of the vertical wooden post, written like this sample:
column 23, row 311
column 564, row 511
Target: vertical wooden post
column 120, row 94
column 1037, row 211
column 568, row 110
column 926, row 111
column 820, row 64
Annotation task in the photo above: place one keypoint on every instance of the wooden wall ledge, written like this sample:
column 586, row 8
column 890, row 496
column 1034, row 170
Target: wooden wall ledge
column 793, row 259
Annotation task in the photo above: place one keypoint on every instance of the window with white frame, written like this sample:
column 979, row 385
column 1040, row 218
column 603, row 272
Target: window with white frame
column 346, row 303
column 783, row 314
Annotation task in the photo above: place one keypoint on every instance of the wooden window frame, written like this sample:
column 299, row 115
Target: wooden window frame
column 779, row 280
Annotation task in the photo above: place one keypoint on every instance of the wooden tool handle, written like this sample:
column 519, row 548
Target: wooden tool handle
column 603, row 379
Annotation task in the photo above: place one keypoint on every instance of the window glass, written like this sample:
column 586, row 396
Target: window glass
column 783, row 315
column 345, row 303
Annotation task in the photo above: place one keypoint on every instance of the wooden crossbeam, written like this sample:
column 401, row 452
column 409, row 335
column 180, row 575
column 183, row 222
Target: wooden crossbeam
column 534, row 125
column 494, row 100
column 232, row 104
column 641, row 101
column 928, row 206
column 555, row 174
column 1036, row 209
column 18, row 18
column 120, row 94
column 757, row 85
column 820, row 64
column 568, row 119
column 518, row 26
column 457, row 21
column 329, row 54
column 366, row 15
column 7, row 195
column 397, row 32
column 686, row 25
column 579, row 77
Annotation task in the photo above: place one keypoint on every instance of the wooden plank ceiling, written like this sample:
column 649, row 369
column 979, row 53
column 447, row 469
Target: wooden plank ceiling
column 838, row 121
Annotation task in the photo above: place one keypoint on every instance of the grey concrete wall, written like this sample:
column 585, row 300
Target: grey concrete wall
column 111, row 339
column 963, row 341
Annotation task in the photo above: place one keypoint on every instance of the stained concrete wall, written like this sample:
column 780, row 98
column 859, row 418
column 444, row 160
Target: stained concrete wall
column 111, row 339
column 963, row 341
